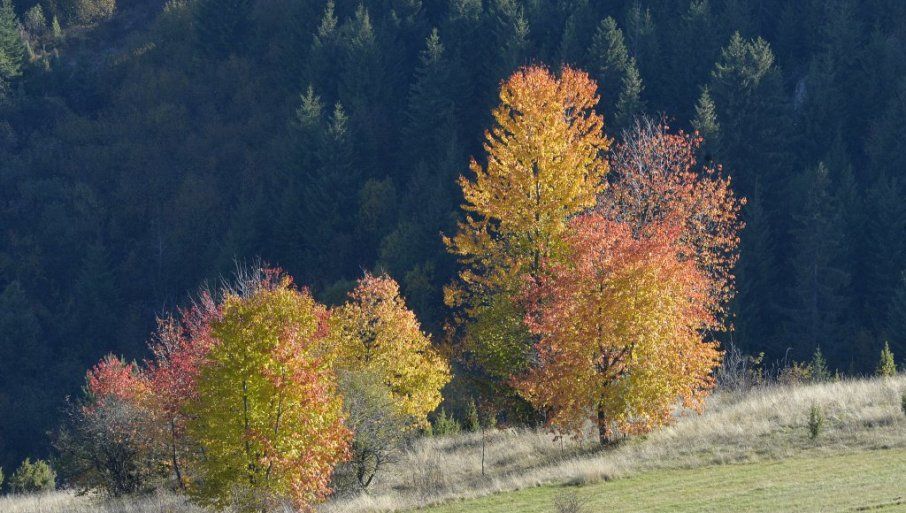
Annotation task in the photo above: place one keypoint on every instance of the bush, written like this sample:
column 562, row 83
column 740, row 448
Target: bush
column 886, row 365
column 815, row 421
column 380, row 429
column 568, row 502
column 1, row 468
column 112, row 448
column 817, row 368
column 472, row 419
column 902, row 405
column 444, row 425
column 33, row 477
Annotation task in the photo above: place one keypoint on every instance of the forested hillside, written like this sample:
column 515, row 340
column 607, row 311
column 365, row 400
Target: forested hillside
column 146, row 148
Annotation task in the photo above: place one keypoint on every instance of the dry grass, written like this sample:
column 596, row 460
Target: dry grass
column 67, row 502
column 762, row 424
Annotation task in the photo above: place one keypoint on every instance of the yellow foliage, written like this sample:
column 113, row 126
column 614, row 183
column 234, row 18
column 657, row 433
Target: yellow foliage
column 375, row 332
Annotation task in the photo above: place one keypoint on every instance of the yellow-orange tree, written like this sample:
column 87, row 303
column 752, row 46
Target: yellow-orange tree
column 620, row 326
column 375, row 333
column 545, row 162
column 265, row 410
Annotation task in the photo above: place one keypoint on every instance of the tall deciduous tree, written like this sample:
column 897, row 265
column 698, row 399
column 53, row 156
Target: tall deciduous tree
column 545, row 163
column 656, row 176
column 620, row 328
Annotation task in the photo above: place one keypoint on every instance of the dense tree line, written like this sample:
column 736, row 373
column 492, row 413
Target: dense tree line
column 143, row 155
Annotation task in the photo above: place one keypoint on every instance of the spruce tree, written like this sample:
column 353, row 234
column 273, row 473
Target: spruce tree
column 895, row 327
column 884, row 248
column 886, row 365
column 12, row 50
column 755, row 306
column 222, row 26
column 629, row 102
column 705, row 120
column 820, row 280
column 609, row 58
column 755, row 121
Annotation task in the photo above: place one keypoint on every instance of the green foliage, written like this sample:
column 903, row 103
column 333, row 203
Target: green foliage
column 266, row 413
column 444, row 425
column 91, row 11
column 56, row 29
column 35, row 21
column 817, row 367
column 379, row 428
column 222, row 26
column 33, row 477
column 473, row 421
column 12, row 50
column 705, row 120
column 886, row 366
column 815, row 421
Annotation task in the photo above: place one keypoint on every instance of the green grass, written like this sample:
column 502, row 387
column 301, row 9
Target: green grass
column 865, row 481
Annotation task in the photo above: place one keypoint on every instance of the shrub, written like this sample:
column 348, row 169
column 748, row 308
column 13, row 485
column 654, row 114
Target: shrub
column 1, row 468
column 815, row 421
column 444, row 425
column 817, row 368
column 568, row 502
column 472, row 419
column 902, row 405
column 886, row 365
column 111, row 447
column 378, row 426
column 33, row 477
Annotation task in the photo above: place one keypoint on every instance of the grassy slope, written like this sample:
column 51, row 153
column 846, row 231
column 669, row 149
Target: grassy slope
column 862, row 481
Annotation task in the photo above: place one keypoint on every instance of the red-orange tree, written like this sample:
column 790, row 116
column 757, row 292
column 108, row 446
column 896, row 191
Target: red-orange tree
column 656, row 175
column 620, row 327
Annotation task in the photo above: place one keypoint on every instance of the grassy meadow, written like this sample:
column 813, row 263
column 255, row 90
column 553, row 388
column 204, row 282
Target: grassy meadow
column 747, row 451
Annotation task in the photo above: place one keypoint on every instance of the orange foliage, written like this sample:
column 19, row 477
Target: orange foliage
column 620, row 328
column 656, row 175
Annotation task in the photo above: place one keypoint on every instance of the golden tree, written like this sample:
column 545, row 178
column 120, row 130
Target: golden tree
column 375, row 333
column 266, row 411
column 545, row 163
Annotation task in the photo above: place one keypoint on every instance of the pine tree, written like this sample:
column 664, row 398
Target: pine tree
column 886, row 365
column 748, row 93
column 818, row 292
column 609, row 59
column 222, row 26
column 895, row 327
column 629, row 103
column 755, row 305
column 510, row 33
column 818, row 366
column 705, row 121
column 885, row 247
column 12, row 50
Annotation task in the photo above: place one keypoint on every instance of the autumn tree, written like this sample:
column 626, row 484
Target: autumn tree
column 620, row 328
column 266, row 413
column 545, row 163
column 110, row 441
column 656, row 176
column 375, row 333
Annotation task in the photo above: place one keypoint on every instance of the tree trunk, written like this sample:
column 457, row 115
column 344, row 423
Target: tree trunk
column 602, row 426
